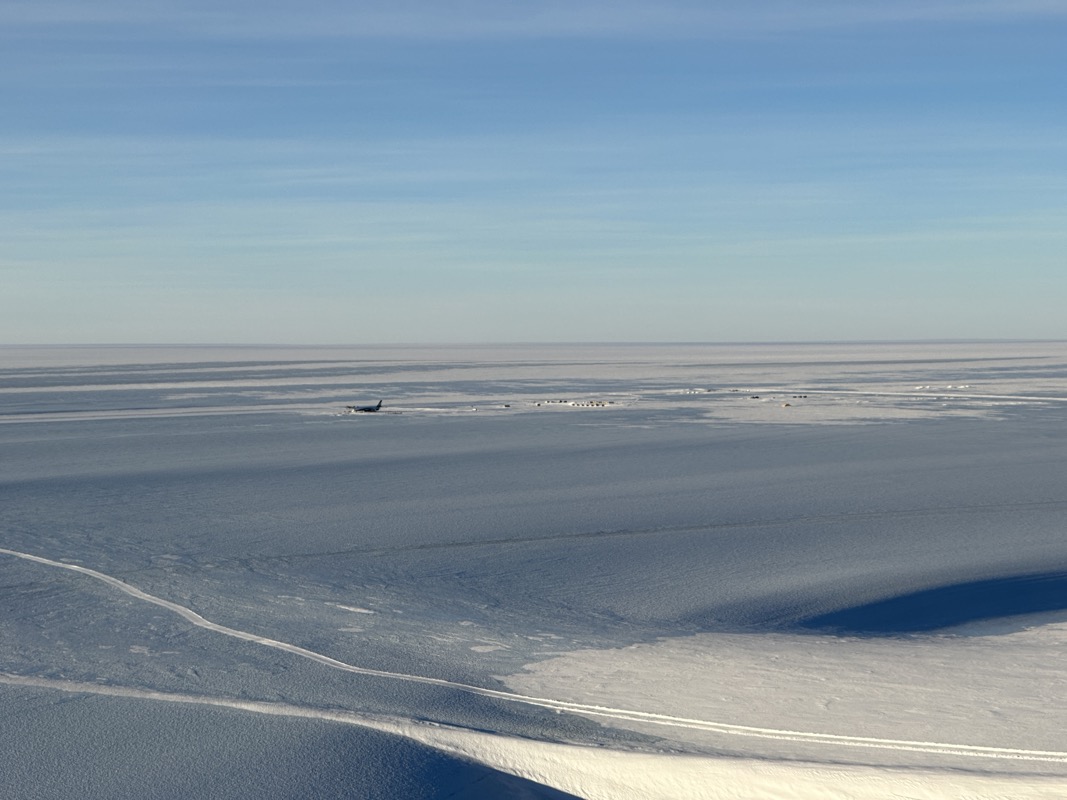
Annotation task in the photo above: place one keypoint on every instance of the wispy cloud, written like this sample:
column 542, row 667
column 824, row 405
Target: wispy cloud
column 488, row 19
column 696, row 149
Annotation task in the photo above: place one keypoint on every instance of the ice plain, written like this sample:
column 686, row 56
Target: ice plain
column 539, row 571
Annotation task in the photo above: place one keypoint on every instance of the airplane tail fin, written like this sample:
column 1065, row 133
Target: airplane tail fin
column 378, row 406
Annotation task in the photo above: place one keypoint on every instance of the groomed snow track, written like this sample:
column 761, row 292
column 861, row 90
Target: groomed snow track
column 940, row 748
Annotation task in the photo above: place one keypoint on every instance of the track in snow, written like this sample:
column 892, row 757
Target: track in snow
column 940, row 748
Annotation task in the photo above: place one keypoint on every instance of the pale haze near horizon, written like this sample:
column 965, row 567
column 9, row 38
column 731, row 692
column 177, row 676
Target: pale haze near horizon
column 192, row 172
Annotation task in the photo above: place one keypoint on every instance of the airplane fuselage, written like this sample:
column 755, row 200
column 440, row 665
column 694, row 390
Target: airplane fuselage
column 364, row 409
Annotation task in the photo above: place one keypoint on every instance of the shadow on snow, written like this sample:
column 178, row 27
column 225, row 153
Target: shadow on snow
column 947, row 606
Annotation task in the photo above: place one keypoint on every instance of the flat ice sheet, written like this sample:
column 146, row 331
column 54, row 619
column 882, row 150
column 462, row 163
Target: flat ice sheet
column 751, row 536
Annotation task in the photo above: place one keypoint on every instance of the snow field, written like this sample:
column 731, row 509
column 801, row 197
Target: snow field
column 665, row 571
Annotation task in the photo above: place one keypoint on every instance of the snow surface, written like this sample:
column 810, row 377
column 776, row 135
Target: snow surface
column 604, row 571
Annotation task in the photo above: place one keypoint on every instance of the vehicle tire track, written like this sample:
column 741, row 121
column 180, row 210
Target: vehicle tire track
column 940, row 748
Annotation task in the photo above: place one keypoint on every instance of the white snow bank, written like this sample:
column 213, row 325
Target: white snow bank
column 892, row 701
column 604, row 774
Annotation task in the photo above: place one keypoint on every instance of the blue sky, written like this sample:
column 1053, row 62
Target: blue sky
column 337, row 172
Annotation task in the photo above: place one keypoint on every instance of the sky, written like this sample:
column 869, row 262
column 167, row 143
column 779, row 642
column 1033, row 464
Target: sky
column 499, row 171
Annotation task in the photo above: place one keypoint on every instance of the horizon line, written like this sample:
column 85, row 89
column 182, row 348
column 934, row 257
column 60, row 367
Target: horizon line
column 538, row 343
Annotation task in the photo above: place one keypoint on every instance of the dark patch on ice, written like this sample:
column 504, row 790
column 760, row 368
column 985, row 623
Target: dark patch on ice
column 947, row 606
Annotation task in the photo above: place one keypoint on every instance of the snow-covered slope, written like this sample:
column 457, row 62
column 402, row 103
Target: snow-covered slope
column 610, row 571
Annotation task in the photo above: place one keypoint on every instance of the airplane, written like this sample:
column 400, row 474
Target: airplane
column 364, row 409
